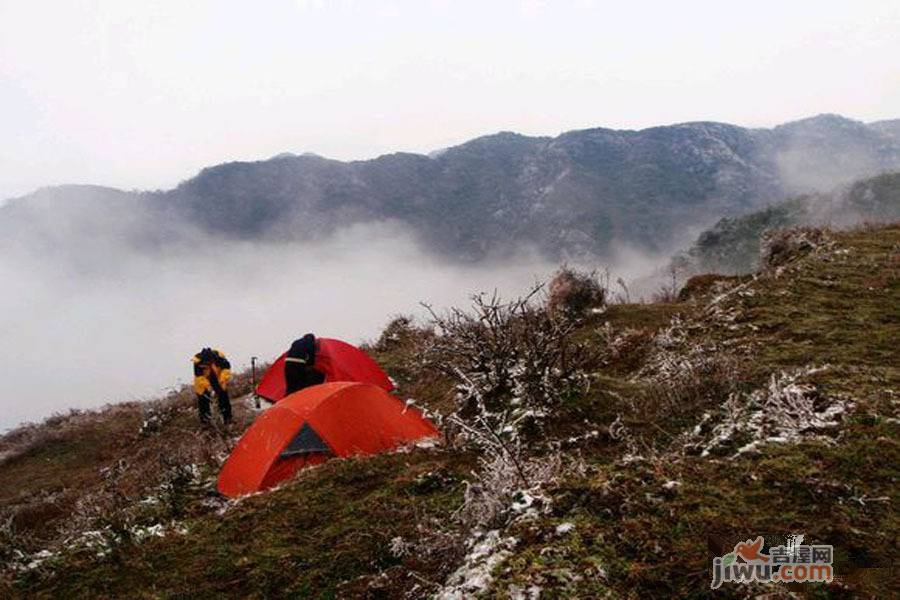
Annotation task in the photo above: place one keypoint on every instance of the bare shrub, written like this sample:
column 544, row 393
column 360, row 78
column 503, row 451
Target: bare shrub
column 677, row 378
column 574, row 293
column 502, row 489
column 121, row 512
column 784, row 245
column 398, row 331
column 513, row 365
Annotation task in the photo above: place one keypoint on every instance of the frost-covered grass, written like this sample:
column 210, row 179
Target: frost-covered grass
column 114, row 472
column 784, row 411
column 339, row 522
column 790, row 448
column 486, row 550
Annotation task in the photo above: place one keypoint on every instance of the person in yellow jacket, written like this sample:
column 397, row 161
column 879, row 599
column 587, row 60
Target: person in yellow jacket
column 212, row 372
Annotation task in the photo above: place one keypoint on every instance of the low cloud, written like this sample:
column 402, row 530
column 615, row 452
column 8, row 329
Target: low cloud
column 76, row 338
column 87, row 320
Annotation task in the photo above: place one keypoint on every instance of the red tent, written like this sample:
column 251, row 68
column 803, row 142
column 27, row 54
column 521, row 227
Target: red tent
column 338, row 360
column 315, row 424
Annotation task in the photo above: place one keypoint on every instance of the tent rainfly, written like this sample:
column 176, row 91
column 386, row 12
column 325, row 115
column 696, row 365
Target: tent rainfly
column 315, row 424
column 337, row 360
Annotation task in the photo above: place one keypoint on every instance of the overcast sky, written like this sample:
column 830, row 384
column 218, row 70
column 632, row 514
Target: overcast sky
column 142, row 94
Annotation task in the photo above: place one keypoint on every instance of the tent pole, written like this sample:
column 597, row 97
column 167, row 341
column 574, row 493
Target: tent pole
column 253, row 379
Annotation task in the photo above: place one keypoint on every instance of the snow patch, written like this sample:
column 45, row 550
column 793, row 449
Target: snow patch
column 486, row 552
column 564, row 528
column 523, row 501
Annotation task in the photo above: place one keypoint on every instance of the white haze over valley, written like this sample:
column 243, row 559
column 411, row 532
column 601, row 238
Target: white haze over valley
column 70, row 339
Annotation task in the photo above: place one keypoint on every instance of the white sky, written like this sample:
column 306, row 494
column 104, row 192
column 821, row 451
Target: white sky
column 142, row 94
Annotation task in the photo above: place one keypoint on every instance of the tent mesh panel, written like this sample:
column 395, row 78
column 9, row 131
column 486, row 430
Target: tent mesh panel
column 307, row 441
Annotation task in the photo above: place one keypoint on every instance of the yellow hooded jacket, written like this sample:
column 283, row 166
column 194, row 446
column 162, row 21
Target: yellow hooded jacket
column 211, row 371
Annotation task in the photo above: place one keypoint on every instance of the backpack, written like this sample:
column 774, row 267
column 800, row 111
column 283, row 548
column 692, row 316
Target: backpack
column 304, row 349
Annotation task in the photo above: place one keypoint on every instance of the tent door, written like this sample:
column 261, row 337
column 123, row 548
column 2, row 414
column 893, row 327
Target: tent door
column 307, row 441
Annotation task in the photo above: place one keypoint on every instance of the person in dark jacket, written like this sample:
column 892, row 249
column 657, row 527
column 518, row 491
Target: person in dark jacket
column 299, row 371
column 212, row 372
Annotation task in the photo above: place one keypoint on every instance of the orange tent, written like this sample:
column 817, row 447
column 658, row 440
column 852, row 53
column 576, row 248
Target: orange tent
column 337, row 360
column 315, row 424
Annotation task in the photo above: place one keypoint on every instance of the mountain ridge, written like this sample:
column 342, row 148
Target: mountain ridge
column 571, row 195
column 879, row 124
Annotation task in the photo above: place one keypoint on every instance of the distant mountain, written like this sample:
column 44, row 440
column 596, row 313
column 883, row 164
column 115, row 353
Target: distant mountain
column 571, row 195
column 732, row 246
column 888, row 128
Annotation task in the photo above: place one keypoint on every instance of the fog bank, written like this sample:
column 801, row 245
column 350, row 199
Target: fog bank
column 127, row 331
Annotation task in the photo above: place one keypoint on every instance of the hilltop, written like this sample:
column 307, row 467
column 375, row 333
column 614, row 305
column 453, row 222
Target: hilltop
column 732, row 245
column 574, row 195
column 640, row 440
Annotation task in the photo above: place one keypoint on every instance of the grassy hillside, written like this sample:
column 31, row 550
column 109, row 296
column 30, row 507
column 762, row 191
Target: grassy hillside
column 763, row 404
